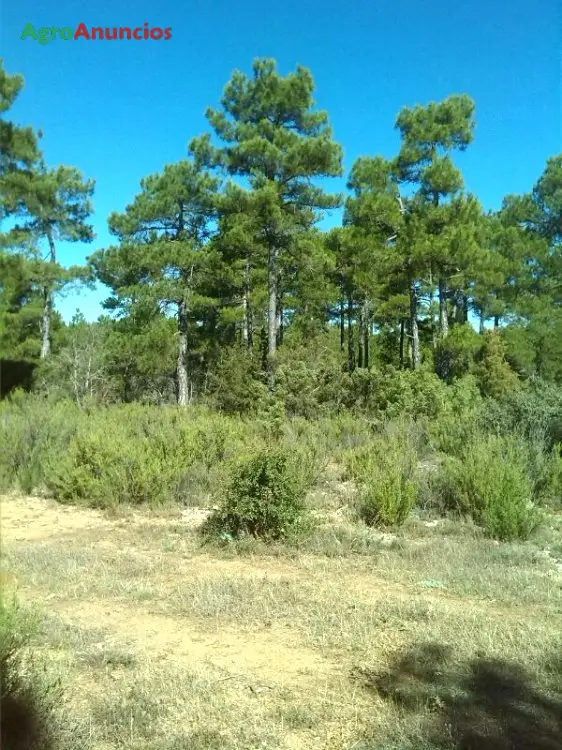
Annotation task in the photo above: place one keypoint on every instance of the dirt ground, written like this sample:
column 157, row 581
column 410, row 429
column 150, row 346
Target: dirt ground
column 137, row 607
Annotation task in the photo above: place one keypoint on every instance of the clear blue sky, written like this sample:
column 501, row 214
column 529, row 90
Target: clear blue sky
column 121, row 110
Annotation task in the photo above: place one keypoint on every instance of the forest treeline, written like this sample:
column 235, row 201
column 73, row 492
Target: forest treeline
column 224, row 287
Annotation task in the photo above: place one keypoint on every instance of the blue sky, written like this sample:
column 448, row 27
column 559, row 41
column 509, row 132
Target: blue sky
column 121, row 110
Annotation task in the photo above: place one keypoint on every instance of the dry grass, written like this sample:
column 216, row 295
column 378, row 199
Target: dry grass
column 356, row 640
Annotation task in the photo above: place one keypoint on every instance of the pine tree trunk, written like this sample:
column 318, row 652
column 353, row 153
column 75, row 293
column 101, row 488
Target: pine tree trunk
column 482, row 318
column 350, row 337
column 272, row 317
column 245, row 320
column 47, row 304
column 402, row 336
column 247, row 323
column 432, row 316
column 496, row 321
column 245, row 334
column 182, row 374
column 342, row 324
column 360, row 338
column 414, row 329
column 409, row 344
column 443, row 317
column 279, row 322
column 366, row 328
column 461, row 307
column 46, row 323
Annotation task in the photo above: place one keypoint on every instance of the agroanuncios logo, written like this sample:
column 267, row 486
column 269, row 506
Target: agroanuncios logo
column 47, row 34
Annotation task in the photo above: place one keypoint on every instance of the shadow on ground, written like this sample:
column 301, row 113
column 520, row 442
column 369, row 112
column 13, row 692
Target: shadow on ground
column 482, row 704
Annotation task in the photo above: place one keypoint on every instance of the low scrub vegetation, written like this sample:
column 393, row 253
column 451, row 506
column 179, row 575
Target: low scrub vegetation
column 495, row 461
column 491, row 484
column 30, row 703
column 264, row 498
column 385, row 470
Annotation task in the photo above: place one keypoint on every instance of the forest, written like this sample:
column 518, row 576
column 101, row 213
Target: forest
column 305, row 417
column 224, row 288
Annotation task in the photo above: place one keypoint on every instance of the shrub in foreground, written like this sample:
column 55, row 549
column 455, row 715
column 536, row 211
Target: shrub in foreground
column 491, row 484
column 385, row 472
column 264, row 498
column 28, row 706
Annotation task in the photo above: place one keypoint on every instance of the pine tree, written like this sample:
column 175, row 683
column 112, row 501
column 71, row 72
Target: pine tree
column 374, row 220
column 19, row 146
column 20, row 307
column 277, row 143
column 50, row 205
column 429, row 135
column 164, row 253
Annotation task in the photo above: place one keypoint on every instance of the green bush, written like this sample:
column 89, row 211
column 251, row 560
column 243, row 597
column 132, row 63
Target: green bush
column 120, row 454
column 236, row 384
column 534, row 411
column 110, row 469
column 28, row 704
column 388, row 393
column 454, row 355
column 31, row 427
column 461, row 418
column 544, row 468
column 264, row 498
column 385, row 471
column 310, row 376
column 491, row 484
column 495, row 376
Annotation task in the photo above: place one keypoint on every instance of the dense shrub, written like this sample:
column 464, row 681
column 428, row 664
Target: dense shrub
column 534, row 411
column 31, row 428
column 109, row 469
column 545, row 471
column 237, row 384
column 137, row 454
column 264, row 498
column 385, row 472
column 28, row 703
column 310, row 377
column 130, row 453
column 454, row 355
column 461, row 418
column 388, row 393
column 495, row 376
column 491, row 484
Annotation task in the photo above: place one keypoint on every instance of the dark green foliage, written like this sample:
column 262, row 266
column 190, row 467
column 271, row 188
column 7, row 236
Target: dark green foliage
column 311, row 377
column 495, row 376
column 454, row 356
column 275, row 139
column 15, row 374
column 164, row 260
column 264, row 498
column 237, row 385
column 21, row 306
column 19, row 149
column 534, row 411
column 491, row 484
